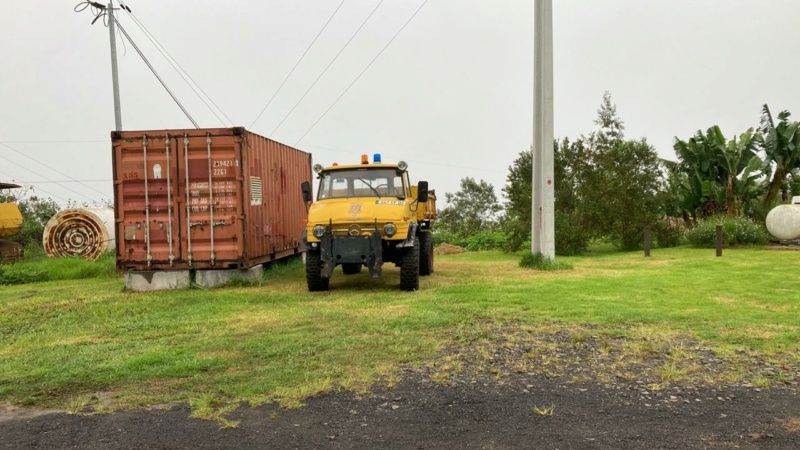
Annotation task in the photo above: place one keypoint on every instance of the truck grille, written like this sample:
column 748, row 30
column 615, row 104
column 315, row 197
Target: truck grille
column 355, row 229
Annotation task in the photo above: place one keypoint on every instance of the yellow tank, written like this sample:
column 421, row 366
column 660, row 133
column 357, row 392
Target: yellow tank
column 10, row 217
column 10, row 224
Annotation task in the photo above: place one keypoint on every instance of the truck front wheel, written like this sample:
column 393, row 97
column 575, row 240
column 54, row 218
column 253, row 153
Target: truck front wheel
column 409, row 268
column 314, row 272
column 425, row 253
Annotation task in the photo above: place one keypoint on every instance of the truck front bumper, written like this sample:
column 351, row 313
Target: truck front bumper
column 367, row 250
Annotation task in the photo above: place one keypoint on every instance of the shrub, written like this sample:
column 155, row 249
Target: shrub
column 735, row 231
column 484, row 240
column 570, row 237
column 666, row 234
column 441, row 236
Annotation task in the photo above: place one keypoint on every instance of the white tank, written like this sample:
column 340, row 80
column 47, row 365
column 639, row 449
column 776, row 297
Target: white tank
column 82, row 232
column 783, row 222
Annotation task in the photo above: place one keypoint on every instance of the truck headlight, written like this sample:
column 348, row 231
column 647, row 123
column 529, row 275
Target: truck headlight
column 390, row 229
column 319, row 231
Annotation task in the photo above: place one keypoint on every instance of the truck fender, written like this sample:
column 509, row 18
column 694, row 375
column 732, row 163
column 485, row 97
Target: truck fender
column 412, row 234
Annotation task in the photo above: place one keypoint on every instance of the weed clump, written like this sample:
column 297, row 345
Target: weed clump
column 540, row 262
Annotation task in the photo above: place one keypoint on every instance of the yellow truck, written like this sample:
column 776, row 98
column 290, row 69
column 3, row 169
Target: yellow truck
column 366, row 215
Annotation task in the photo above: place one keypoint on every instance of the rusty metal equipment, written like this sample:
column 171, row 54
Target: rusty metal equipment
column 83, row 232
column 10, row 252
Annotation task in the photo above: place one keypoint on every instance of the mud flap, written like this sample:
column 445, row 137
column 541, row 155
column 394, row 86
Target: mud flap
column 326, row 255
column 375, row 263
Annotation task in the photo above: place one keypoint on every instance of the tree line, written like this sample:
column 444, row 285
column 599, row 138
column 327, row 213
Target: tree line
column 610, row 187
column 36, row 211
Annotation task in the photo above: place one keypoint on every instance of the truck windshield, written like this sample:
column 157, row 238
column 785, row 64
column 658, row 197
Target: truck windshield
column 361, row 183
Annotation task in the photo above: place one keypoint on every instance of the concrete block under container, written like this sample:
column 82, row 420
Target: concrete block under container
column 157, row 280
column 209, row 278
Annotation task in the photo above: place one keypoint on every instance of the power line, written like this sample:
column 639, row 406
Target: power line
column 168, row 56
column 296, row 64
column 63, row 187
column 48, row 193
column 327, row 67
column 10, row 177
column 69, row 181
column 362, row 72
column 136, row 47
column 48, row 167
column 54, row 142
column 351, row 152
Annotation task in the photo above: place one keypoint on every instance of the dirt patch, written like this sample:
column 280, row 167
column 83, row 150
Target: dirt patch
column 587, row 353
column 447, row 249
column 11, row 413
column 793, row 425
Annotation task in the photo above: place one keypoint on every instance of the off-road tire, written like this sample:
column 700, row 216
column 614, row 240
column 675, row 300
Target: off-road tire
column 409, row 268
column 425, row 253
column 351, row 268
column 314, row 272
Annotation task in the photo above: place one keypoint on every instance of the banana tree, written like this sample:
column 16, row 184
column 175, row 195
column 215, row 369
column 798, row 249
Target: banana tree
column 699, row 160
column 781, row 144
column 735, row 158
column 748, row 187
column 722, row 173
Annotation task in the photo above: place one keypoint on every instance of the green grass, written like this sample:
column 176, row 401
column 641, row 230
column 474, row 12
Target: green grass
column 41, row 268
column 71, row 343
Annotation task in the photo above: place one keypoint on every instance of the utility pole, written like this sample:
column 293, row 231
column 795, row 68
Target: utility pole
column 543, row 223
column 114, row 75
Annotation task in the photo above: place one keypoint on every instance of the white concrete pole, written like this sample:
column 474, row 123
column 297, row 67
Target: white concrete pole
column 543, row 230
column 114, row 75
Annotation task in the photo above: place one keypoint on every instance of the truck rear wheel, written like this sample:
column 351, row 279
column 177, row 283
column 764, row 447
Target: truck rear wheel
column 351, row 268
column 314, row 272
column 409, row 268
column 425, row 253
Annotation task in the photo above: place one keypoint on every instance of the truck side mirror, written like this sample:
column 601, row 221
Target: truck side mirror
column 306, row 188
column 422, row 191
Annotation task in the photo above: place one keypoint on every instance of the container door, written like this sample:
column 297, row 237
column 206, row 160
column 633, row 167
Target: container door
column 211, row 177
column 145, row 194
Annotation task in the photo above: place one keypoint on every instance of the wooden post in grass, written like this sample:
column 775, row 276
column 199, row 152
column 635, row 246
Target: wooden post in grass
column 647, row 241
column 719, row 240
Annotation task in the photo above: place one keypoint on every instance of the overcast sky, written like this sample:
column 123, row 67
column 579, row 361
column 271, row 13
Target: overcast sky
column 451, row 95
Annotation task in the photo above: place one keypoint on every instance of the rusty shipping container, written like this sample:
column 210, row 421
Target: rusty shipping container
column 218, row 198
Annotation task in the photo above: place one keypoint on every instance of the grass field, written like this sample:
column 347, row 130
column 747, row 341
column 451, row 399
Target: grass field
column 73, row 343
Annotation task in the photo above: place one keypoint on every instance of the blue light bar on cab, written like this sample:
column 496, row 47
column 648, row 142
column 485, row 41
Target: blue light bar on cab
column 376, row 158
